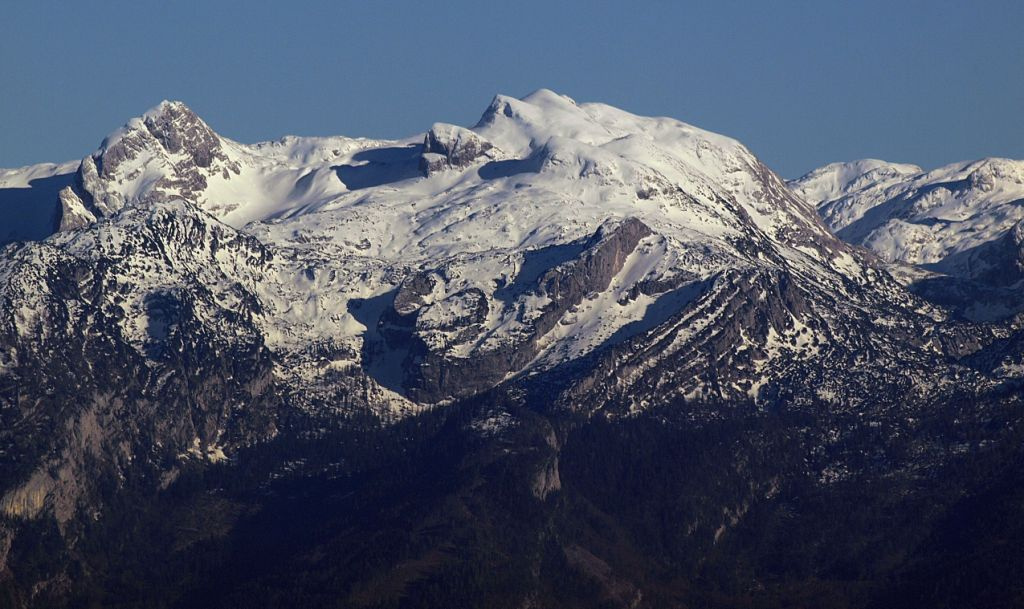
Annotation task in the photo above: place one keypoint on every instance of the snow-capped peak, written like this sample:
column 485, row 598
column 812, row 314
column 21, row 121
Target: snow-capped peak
column 475, row 208
column 828, row 183
column 171, row 123
column 168, row 107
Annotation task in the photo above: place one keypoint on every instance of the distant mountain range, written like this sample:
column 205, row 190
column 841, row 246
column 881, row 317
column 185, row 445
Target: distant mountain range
column 957, row 225
column 566, row 357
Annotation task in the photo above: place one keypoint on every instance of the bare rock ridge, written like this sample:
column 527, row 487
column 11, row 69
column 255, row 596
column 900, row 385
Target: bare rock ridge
column 192, row 377
column 451, row 147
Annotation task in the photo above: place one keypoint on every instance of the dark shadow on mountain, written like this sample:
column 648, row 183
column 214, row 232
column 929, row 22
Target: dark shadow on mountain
column 981, row 283
column 535, row 264
column 163, row 312
column 31, row 213
column 872, row 218
column 933, row 222
column 994, row 262
column 380, row 166
column 665, row 307
column 382, row 361
column 970, row 300
column 504, row 169
column 304, row 183
column 995, row 355
column 391, row 155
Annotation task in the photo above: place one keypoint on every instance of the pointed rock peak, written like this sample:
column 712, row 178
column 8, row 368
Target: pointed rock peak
column 176, row 127
column 501, row 105
column 168, row 108
column 172, row 147
column 171, row 123
column 170, row 128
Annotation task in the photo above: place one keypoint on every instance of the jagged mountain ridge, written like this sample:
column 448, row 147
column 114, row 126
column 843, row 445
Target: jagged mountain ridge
column 208, row 298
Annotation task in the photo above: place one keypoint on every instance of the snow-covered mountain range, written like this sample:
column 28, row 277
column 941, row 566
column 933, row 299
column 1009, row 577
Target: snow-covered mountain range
column 960, row 221
column 468, row 231
column 178, row 300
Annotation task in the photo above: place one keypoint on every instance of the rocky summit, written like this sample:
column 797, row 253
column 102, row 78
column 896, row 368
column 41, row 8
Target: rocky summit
column 566, row 357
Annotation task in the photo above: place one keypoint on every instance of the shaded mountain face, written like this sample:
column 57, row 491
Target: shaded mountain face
column 29, row 202
column 956, row 225
column 568, row 356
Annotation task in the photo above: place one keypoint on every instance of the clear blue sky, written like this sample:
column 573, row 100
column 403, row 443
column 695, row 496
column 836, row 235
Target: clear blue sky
column 802, row 83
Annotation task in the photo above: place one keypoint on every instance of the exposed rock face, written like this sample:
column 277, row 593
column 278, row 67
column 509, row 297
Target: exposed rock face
column 435, row 373
column 176, row 131
column 450, row 147
column 170, row 151
column 603, row 257
column 547, row 479
column 411, row 293
column 29, row 500
column 179, row 130
column 73, row 212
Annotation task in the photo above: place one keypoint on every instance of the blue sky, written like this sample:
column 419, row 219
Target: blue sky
column 801, row 83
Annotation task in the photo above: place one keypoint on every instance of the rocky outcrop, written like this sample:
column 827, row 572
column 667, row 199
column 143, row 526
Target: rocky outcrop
column 547, row 479
column 72, row 212
column 412, row 293
column 450, row 147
